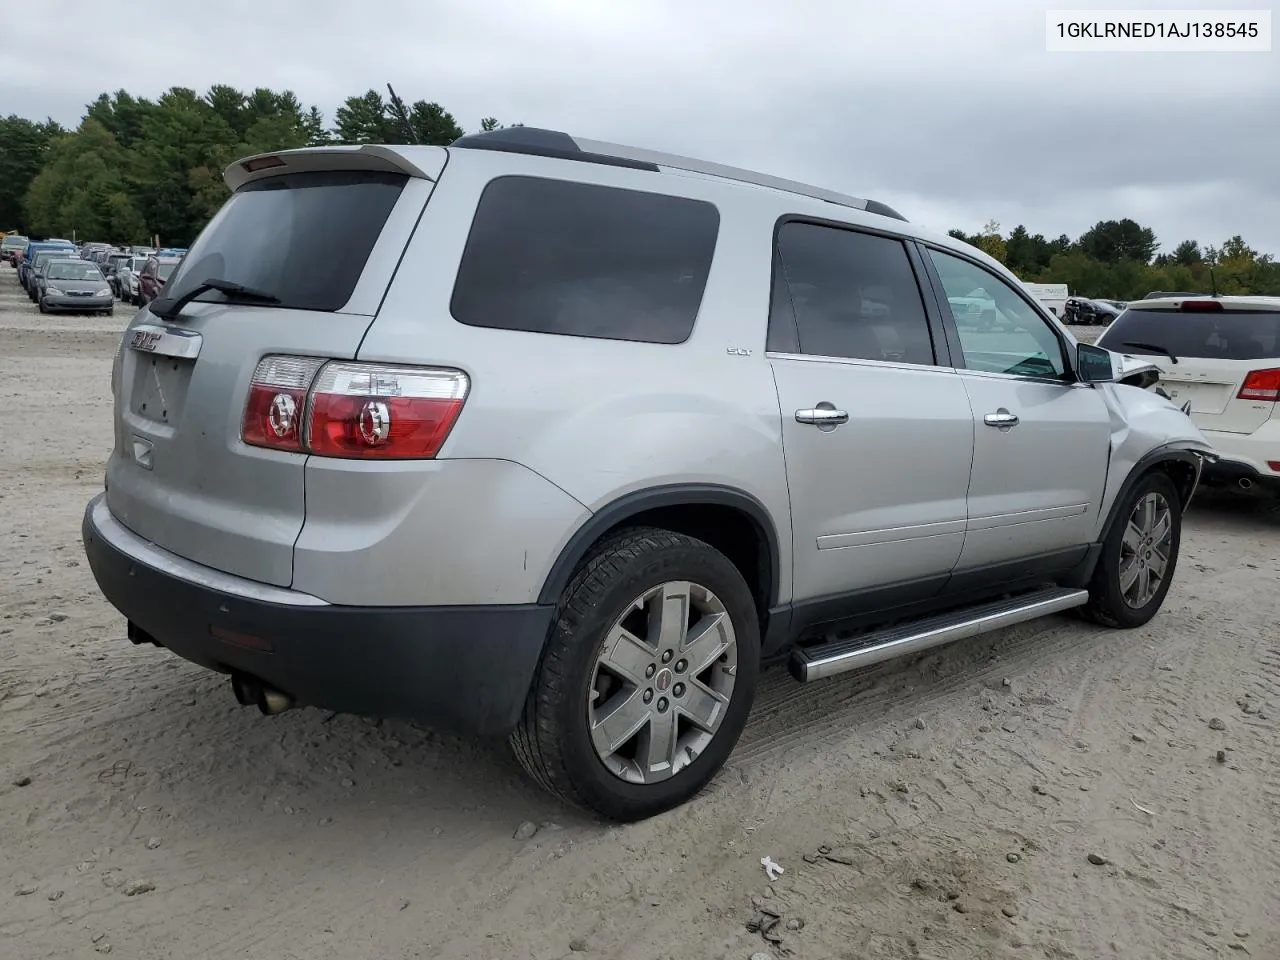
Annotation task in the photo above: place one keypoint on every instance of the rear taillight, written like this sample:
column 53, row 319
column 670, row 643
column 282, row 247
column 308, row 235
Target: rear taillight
column 273, row 415
column 1261, row 385
column 352, row 410
column 1201, row 306
column 368, row 410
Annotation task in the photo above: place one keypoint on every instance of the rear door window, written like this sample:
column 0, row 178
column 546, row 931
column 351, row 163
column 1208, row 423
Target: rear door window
column 303, row 238
column 578, row 259
column 854, row 296
column 1225, row 335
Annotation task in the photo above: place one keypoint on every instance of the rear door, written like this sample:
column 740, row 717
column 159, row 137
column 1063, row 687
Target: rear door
column 876, row 425
column 322, row 232
column 1218, row 345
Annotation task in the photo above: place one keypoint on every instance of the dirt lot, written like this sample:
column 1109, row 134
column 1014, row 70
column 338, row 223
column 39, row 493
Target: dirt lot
column 961, row 795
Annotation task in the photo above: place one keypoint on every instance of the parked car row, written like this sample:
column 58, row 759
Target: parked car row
column 136, row 275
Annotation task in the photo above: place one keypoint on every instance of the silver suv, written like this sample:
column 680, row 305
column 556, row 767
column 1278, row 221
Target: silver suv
column 554, row 440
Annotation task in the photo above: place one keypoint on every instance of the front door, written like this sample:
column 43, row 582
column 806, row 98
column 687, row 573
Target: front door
column 1042, row 440
column 878, row 436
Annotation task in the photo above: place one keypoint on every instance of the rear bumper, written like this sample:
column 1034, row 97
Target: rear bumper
column 1245, row 456
column 1225, row 472
column 462, row 669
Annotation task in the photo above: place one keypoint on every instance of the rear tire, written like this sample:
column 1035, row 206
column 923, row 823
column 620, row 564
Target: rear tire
column 609, row 722
column 1139, row 556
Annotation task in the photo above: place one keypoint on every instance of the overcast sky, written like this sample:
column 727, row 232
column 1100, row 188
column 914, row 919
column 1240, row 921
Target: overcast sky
column 952, row 112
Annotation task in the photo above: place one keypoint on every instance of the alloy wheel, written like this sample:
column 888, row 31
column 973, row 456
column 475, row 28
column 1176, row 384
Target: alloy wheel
column 662, row 682
column 1145, row 550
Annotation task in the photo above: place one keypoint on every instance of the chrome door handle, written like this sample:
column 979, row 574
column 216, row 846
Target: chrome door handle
column 823, row 415
column 1001, row 418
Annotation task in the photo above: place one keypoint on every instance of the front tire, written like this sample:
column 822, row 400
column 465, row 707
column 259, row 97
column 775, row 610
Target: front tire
column 1139, row 556
column 646, row 679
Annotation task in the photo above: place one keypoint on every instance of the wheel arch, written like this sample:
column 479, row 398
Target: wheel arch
column 732, row 520
column 1182, row 466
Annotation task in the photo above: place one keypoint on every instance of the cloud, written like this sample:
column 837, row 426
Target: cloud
column 953, row 113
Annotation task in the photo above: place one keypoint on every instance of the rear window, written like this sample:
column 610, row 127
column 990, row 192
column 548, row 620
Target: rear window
column 281, row 236
column 584, row 260
column 1229, row 335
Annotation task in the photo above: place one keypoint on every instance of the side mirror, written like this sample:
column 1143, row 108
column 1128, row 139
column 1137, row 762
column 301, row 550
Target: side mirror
column 1094, row 364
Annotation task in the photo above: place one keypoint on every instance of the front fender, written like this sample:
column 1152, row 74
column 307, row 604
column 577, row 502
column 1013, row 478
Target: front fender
column 1146, row 429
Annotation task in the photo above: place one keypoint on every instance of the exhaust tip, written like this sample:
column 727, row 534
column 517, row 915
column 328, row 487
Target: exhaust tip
column 251, row 692
column 1245, row 483
column 272, row 701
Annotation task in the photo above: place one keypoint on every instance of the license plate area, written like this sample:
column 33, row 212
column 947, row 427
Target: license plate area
column 160, row 387
column 1206, row 398
column 163, row 360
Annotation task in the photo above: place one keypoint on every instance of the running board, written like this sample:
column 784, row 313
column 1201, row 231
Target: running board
column 827, row 660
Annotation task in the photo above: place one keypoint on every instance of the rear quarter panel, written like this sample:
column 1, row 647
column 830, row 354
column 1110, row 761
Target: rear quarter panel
column 601, row 419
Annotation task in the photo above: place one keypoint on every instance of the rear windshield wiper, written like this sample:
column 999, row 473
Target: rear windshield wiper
column 1150, row 346
column 168, row 309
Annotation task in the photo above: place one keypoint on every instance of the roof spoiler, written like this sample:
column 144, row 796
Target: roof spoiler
column 365, row 156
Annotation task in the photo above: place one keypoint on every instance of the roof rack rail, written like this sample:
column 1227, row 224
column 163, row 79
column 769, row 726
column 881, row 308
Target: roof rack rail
column 554, row 143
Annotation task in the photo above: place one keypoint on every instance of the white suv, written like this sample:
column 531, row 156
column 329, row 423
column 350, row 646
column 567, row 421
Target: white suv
column 574, row 436
column 1222, row 356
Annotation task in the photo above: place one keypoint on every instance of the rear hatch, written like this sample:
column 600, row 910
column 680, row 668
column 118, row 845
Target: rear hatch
column 313, row 237
column 1227, row 357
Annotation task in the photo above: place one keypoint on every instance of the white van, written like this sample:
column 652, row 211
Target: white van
column 1052, row 295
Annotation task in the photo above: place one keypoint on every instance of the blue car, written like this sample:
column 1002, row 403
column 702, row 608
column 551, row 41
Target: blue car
column 24, row 265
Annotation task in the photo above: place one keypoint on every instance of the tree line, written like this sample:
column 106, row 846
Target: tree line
column 1122, row 260
column 135, row 169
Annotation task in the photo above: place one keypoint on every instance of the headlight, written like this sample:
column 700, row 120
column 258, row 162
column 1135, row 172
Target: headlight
column 53, row 290
column 102, row 292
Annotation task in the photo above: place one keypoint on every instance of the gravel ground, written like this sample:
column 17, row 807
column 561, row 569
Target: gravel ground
column 1054, row 790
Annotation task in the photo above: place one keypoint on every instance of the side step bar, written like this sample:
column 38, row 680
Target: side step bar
column 839, row 656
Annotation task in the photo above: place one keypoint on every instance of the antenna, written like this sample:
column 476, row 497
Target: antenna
column 1213, row 282
column 401, row 115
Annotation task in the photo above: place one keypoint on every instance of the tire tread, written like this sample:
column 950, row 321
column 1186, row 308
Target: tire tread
column 1104, row 600
column 538, row 739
